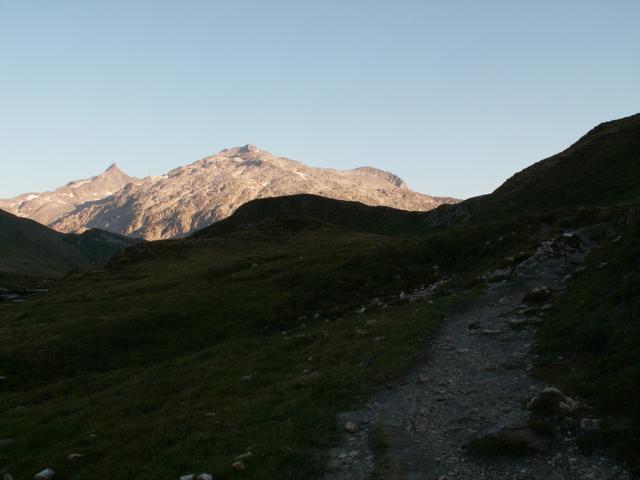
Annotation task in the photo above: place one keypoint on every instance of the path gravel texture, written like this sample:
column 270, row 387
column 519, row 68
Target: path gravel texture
column 474, row 381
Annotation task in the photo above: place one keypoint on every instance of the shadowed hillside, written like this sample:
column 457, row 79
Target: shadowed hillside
column 29, row 248
column 298, row 211
column 602, row 168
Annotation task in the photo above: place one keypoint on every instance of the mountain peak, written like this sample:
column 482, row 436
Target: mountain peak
column 114, row 174
column 244, row 151
column 46, row 207
column 113, row 168
column 248, row 148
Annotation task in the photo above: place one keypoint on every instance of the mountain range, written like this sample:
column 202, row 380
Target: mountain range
column 194, row 196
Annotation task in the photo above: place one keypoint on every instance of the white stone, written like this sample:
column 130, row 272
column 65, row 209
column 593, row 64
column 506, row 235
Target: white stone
column 45, row 474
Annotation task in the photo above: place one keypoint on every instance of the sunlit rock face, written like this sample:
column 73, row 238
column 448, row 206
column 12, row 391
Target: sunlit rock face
column 193, row 196
column 47, row 207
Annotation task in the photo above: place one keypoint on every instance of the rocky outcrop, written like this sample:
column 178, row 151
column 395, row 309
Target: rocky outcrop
column 191, row 197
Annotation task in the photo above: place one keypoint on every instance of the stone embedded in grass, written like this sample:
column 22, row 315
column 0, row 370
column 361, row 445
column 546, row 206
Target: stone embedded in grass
column 590, row 424
column 351, row 427
column 498, row 275
column 205, row 476
column 569, row 405
column 187, row 477
column 244, row 457
column 365, row 363
column 75, row 456
column 45, row 474
column 241, row 460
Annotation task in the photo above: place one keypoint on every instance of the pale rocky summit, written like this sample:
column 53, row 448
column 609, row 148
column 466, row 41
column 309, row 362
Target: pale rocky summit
column 47, row 207
column 194, row 196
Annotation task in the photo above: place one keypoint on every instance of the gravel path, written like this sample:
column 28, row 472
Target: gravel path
column 474, row 381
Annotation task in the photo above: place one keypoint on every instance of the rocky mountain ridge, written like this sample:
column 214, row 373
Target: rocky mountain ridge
column 194, row 196
column 47, row 207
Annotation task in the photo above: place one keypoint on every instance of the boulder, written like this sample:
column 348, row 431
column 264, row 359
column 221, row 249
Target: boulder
column 552, row 401
column 45, row 474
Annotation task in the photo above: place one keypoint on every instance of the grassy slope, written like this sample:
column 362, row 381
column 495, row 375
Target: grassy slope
column 98, row 246
column 595, row 329
column 600, row 169
column 29, row 249
column 165, row 335
column 26, row 247
column 298, row 211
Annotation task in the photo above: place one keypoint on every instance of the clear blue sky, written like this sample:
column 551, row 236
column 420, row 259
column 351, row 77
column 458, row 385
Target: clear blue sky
column 454, row 96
